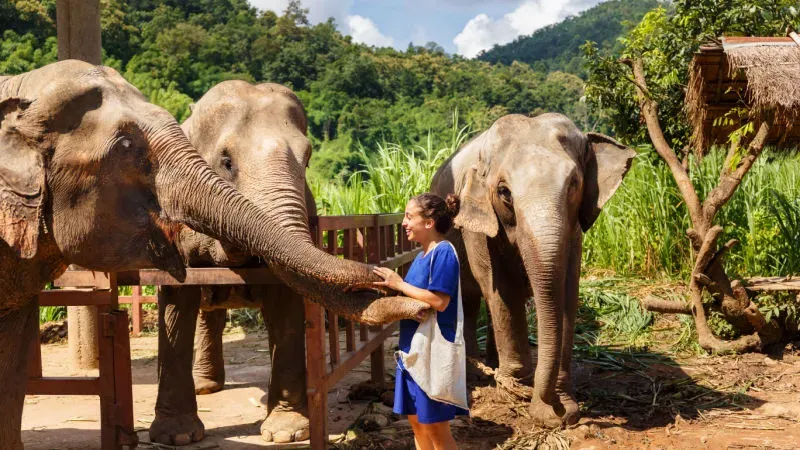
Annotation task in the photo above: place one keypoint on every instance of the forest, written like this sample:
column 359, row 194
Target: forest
column 356, row 97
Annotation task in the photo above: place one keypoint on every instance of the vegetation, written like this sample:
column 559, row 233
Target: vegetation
column 666, row 41
column 356, row 96
column 656, row 54
column 762, row 215
column 558, row 46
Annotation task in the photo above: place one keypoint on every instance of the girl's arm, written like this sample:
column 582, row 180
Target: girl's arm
column 437, row 300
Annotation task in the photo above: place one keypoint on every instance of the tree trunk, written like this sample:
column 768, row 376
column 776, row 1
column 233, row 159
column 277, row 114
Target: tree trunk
column 708, row 272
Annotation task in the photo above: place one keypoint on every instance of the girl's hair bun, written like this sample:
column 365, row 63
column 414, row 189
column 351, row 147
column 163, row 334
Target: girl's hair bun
column 453, row 204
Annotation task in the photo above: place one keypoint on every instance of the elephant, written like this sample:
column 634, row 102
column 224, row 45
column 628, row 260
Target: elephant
column 529, row 189
column 93, row 174
column 254, row 137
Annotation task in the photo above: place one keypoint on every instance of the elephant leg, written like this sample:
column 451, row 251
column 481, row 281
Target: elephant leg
column 505, row 295
column 510, row 332
column 176, row 421
column 492, row 360
column 287, row 404
column 209, row 365
column 564, row 386
column 471, row 301
column 17, row 330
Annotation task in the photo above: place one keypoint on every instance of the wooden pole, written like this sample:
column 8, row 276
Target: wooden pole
column 78, row 30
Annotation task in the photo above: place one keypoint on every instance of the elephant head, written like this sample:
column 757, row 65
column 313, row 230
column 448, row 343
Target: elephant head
column 534, row 184
column 93, row 174
column 254, row 137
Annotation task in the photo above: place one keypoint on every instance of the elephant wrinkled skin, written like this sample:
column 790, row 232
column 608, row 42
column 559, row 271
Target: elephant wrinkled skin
column 92, row 174
column 254, row 137
column 529, row 188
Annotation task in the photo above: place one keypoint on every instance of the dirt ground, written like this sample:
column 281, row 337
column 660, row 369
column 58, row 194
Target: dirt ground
column 645, row 400
column 232, row 417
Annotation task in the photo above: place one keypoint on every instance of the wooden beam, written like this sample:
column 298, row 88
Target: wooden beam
column 63, row 386
column 771, row 284
column 74, row 297
column 352, row 359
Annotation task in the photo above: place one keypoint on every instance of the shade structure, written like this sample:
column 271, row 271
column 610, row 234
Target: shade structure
column 740, row 79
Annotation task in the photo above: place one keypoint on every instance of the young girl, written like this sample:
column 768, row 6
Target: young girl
column 427, row 218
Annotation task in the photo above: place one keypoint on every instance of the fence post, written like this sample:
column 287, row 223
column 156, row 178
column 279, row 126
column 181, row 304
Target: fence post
column 316, row 390
column 136, row 310
column 373, row 257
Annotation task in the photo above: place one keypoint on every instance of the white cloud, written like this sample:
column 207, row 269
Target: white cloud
column 364, row 31
column 319, row 10
column 482, row 32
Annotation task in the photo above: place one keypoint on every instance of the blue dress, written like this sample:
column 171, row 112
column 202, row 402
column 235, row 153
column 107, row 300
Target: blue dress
column 408, row 397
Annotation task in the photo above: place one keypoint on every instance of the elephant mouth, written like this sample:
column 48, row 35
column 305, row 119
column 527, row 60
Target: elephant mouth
column 162, row 250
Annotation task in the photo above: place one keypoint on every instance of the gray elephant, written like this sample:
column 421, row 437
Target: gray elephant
column 529, row 188
column 254, row 137
column 92, row 174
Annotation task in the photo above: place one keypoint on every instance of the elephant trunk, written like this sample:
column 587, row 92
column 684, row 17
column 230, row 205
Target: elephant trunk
column 192, row 194
column 545, row 257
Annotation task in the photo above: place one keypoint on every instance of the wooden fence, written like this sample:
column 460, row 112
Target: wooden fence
column 113, row 384
column 376, row 239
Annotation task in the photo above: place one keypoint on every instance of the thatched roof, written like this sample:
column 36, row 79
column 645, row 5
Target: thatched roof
column 761, row 74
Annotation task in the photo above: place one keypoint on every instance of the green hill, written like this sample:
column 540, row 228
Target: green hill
column 557, row 47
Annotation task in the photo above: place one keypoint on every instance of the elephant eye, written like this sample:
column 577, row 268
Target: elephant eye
column 505, row 195
column 227, row 163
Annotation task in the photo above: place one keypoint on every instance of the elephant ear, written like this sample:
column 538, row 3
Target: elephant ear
column 607, row 162
column 476, row 213
column 22, row 180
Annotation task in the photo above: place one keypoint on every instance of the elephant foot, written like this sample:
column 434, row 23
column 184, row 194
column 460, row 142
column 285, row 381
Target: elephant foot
column 177, row 430
column 203, row 386
column 521, row 373
column 283, row 426
column 571, row 410
column 545, row 415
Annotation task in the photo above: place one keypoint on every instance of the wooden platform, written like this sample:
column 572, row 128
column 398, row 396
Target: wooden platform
column 772, row 284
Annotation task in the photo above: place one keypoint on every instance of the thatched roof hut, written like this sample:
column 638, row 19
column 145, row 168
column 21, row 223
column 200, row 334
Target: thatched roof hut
column 745, row 78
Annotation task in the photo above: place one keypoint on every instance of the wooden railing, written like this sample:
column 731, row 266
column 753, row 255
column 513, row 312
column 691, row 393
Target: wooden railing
column 113, row 384
column 375, row 239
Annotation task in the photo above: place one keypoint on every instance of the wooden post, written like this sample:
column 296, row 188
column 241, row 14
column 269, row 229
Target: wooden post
column 78, row 30
column 136, row 310
column 316, row 389
column 348, row 252
column 108, row 439
column 374, row 256
column 78, row 33
column 123, row 381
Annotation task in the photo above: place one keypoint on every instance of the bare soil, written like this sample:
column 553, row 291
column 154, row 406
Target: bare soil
column 232, row 417
column 648, row 400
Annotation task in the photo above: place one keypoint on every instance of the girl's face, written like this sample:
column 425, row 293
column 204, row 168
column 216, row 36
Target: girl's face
column 418, row 229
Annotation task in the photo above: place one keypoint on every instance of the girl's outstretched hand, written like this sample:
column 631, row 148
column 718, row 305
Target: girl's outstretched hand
column 391, row 279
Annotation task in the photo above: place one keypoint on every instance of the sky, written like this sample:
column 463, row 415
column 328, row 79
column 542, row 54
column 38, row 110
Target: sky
column 460, row 26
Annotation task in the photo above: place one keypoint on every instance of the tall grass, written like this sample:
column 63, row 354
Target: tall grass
column 642, row 229
column 391, row 175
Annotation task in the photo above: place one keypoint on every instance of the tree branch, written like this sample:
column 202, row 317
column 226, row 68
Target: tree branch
column 729, row 179
column 650, row 112
column 659, row 305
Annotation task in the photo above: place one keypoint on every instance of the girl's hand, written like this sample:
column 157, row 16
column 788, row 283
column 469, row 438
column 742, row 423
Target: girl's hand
column 390, row 278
